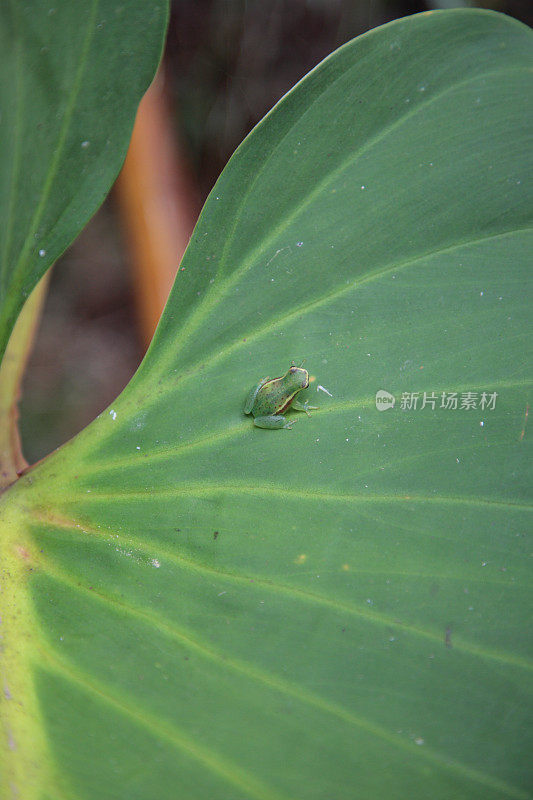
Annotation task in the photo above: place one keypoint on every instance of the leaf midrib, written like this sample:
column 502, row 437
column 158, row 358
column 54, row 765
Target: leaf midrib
column 245, row 338
column 370, row 615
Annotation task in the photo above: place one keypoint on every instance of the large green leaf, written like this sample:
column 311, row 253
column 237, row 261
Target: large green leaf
column 72, row 76
column 198, row 608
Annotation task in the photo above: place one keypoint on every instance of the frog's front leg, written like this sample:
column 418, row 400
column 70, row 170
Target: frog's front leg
column 298, row 406
column 274, row 421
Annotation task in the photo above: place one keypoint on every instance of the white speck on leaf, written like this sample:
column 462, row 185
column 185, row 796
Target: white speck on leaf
column 42, row 253
column 320, row 388
column 113, row 415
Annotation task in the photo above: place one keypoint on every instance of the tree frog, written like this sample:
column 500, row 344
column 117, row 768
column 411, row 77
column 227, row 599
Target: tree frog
column 273, row 396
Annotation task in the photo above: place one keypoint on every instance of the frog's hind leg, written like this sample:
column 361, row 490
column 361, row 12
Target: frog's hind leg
column 274, row 421
column 251, row 397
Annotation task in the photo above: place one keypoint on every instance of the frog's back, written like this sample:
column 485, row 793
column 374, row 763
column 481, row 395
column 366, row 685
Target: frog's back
column 278, row 398
column 273, row 396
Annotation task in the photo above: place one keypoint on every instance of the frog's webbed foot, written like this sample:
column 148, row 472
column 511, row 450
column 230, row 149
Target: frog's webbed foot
column 298, row 406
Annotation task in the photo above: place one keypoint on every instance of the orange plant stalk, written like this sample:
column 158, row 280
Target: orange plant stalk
column 12, row 461
column 157, row 203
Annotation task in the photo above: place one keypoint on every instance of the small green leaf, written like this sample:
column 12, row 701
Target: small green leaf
column 202, row 609
column 71, row 79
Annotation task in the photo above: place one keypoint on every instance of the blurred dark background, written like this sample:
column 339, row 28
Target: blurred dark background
column 226, row 63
